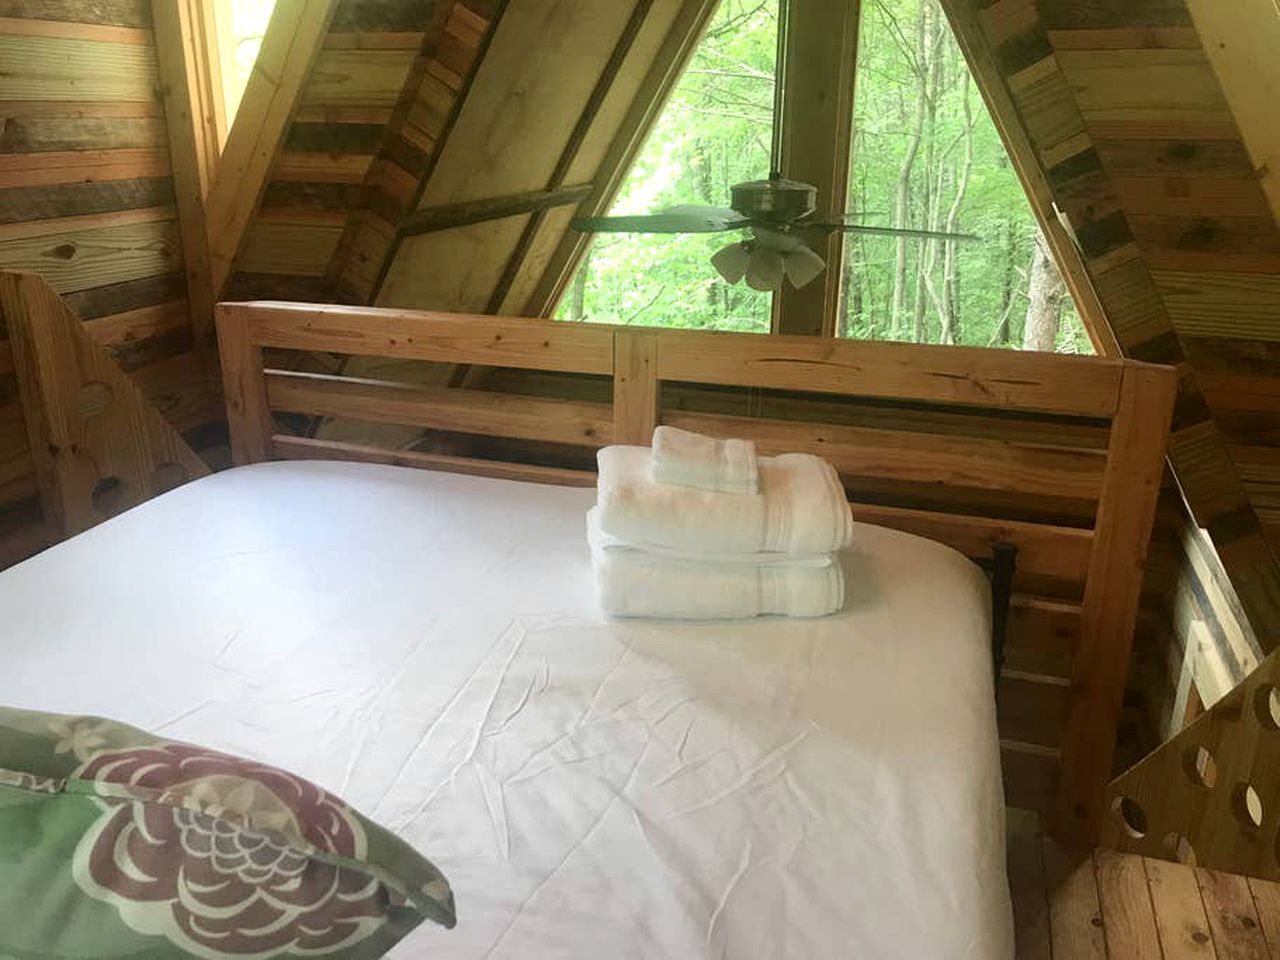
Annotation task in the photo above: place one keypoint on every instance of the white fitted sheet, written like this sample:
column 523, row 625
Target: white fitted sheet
column 428, row 646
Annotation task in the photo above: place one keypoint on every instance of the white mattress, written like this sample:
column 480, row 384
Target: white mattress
column 428, row 646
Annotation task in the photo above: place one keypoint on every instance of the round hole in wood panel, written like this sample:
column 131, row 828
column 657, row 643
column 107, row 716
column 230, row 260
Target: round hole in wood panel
column 1131, row 815
column 1180, row 847
column 94, row 398
column 1247, row 806
column 167, row 476
column 1266, row 702
column 1200, row 766
column 108, row 496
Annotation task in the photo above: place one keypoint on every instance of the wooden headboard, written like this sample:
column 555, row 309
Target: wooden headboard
column 1061, row 456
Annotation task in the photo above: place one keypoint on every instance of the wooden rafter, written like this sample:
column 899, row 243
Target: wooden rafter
column 816, row 147
column 433, row 219
column 289, row 47
column 184, row 63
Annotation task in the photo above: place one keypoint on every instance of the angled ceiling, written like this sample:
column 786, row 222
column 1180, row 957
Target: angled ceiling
column 440, row 147
column 1126, row 123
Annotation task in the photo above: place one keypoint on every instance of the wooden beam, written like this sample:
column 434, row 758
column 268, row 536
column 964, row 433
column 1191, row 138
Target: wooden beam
column 289, row 47
column 1100, row 666
column 646, row 107
column 823, row 41
column 1241, row 39
column 448, row 216
column 183, row 62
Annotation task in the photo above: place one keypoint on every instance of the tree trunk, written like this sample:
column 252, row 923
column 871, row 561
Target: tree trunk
column 1045, row 291
column 902, row 193
column 578, row 292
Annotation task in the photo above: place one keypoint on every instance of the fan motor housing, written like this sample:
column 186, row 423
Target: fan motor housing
column 775, row 201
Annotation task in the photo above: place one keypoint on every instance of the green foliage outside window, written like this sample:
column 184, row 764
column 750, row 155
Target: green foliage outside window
column 913, row 89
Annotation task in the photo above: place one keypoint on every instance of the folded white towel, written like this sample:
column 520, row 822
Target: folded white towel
column 634, row 583
column 689, row 459
column 801, row 508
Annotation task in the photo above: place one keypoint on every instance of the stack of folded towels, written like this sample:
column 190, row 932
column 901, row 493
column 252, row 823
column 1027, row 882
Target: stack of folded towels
column 702, row 529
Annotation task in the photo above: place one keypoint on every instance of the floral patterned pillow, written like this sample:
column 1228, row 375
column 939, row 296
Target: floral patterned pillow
column 117, row 843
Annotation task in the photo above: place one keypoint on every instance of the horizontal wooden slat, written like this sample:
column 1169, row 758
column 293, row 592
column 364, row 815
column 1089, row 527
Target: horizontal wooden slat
column 987, row 378
column 72, row 30
column 301, row 448
column 412, row 335
column 358, row 76
column 442, row 408
column 54, row 68
column 81, row 166
column 81, row 259
column 1032, row 711
column 1058, row 553
column 93, row 221
column 1030, row 774
column 917, row 457
column 1042, row 636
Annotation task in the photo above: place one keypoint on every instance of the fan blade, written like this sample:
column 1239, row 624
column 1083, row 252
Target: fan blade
column 888, row 231
column 675, row 220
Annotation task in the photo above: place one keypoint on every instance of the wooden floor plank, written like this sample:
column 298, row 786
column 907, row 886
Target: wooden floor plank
column 1266, row 897
column 1127, row 915
column 1180, row 918
column 1075, row 920
column 1027, row 885
column 1233, row 918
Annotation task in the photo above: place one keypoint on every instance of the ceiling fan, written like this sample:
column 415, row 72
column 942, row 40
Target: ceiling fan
column 778, row 212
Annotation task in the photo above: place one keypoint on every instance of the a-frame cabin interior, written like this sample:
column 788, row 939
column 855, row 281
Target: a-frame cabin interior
column 381, row 237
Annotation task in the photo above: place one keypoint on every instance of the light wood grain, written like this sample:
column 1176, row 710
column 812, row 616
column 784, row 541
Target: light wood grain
column 635, row 387
column 1075, row 915
column 1135, row 465
column 1126, row 906
column 193, row 143
column 960, row 375
column 291, row 42
column 442, row 408
column 55, row 68
column 1179, row 911
column 1233, row 918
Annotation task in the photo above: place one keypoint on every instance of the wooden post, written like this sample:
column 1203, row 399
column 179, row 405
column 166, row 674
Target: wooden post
column 182, row 54
column 816, row 147
column 1100, row 666
column 635, row 387
column 245, row 386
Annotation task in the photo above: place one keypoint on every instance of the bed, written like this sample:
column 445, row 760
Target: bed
column 425, row 641
column 427, row 645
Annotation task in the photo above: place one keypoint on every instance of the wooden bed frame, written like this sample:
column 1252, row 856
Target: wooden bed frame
column 1065, row 429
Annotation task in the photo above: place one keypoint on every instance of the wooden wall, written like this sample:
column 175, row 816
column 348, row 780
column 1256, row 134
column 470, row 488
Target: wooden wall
column 1114, row 114
column 87, row 201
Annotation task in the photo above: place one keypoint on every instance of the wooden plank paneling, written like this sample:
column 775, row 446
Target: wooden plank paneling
column 56, row 68
column 1126, row 906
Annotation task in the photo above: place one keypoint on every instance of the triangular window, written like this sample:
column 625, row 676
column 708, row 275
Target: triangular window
column 925, row 154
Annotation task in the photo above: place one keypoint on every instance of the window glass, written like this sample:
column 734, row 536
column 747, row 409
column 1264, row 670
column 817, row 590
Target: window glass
column 714, row 132
column 927, row 155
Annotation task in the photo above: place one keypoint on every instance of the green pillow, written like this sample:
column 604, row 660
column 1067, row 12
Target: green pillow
column 115, row 843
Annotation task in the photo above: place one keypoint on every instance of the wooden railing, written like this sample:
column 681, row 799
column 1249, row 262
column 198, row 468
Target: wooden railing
column 1061, row 456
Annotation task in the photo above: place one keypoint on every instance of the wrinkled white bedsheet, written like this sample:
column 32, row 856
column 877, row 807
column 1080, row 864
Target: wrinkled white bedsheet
column 428, row 646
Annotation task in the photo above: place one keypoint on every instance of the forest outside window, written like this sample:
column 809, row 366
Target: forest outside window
column 924, row 155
